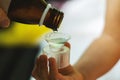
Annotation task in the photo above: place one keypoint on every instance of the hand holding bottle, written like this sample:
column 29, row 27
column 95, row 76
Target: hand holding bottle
column 4, row 20
column 40, row 71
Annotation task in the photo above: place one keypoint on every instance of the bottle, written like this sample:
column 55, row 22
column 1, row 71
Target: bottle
column 35, row 12
column 30, row 19
column 57, row 49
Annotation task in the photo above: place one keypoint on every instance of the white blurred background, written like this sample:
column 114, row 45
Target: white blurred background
column 84, row 21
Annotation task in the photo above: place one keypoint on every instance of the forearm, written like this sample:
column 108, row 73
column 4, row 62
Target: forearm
column 105, row 51
column 99, row 58
column 112, row 24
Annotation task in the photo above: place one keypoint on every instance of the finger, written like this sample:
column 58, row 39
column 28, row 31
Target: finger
column 43, row 67
column 67, row 45
column 35, row 71
column 40, row 71
column 4, row 20
column 54, row 74
column 53, row 70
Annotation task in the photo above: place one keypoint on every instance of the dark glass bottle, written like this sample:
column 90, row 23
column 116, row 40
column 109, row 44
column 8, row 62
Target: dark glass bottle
column 31, row 11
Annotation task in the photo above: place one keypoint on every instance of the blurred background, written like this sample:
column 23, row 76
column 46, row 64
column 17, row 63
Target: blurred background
column 84, row 21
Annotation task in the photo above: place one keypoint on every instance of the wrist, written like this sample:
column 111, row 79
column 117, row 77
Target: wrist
column 79, row 74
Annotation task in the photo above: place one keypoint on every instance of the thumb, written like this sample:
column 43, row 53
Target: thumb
column 4, row 20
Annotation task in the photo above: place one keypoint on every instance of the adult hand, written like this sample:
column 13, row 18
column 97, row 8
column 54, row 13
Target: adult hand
column 41, row 72
column 4, row 20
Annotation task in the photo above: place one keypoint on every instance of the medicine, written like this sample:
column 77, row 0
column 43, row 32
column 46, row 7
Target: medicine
column 56, row 48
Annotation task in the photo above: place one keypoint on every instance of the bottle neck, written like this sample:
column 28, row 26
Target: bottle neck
column 53, row 18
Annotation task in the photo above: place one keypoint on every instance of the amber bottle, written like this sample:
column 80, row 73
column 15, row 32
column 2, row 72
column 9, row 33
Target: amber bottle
column 31, row 12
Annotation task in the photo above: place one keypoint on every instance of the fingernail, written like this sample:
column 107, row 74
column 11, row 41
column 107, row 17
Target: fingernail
column 5, row 23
